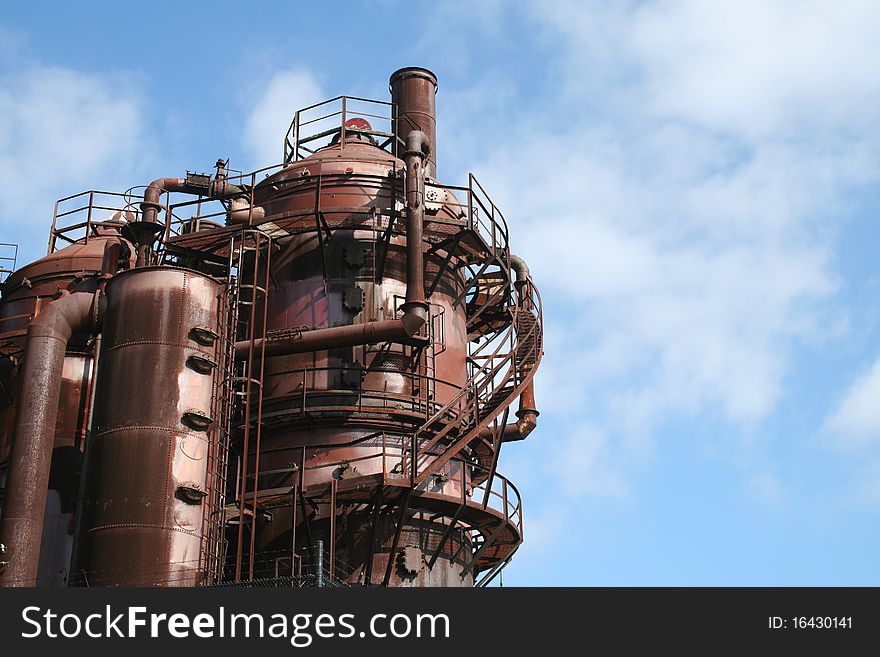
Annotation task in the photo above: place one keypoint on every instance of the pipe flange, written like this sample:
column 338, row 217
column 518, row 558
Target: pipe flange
column 353, row 299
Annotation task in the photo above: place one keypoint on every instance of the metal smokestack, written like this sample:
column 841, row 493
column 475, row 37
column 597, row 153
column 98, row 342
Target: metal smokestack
column 413, row 92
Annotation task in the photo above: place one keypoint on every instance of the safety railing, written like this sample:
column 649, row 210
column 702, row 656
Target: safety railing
column 497, row 379
column 8, row 258
column 80, row 217
column 312, row 384
column 319, row 125
column 386, row 454
column 465, row 208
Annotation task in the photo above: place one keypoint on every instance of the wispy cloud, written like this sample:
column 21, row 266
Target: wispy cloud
column 273, row 110
column 679, row 201
column 856, row 420
column 61, row 130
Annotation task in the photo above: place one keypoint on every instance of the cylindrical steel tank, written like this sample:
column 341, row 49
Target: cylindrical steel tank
column 147, row 464
column 325, row 400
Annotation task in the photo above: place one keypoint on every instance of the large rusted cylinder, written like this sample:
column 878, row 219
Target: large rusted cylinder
column 147, row 468
column 324, row 405
column 413, row 92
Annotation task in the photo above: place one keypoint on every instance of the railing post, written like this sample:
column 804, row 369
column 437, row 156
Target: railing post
column 52, row 232
column 304, row 391
column 342, row 128
column 333, row 484
column 251, row 201
column 318, row 563
column 470, row 219
column 413, row 466
column 504, row 497
column 89, row 216
column 296, row 137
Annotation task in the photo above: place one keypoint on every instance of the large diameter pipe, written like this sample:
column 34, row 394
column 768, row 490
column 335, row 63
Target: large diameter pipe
column 527, row 415
column 415, row 308
column 21, row 527
column 389, row 330
column 413, row 95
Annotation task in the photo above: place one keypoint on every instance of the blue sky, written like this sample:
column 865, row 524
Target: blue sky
column 694, row 185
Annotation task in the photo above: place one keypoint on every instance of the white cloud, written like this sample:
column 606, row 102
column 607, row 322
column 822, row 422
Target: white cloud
column 60, row 131
column 271, row 114
column 706, row 281
column 679, row 202
column 754, row 68
column 856, row 420
column 757, row 68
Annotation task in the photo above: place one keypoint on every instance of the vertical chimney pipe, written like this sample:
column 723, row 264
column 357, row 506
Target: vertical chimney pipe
column 413, row 92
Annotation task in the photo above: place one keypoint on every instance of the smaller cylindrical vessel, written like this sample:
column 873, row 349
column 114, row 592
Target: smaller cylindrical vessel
column 148, row 474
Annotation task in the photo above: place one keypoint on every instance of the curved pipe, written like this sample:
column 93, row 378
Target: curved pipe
column 527, row 419
column 220, row 189
column 527, row 415
column 21, row 527
column 528, row 411
column 415, row 309
column 152, row 202
column 520, row 268
column 116, row 249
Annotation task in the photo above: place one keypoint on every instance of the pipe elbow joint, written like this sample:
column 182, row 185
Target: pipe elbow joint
column 527, row 421
column 520, row 268
column 417, row 143
column 415, row 316
column 153, row 196
column 65, row 316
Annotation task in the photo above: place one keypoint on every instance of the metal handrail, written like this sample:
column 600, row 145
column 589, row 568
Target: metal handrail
column 91, row 203
column 5, row 259
column 500, row 488
column 294, row 141
column 483, row 384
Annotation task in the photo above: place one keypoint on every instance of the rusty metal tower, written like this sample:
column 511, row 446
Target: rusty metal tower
column 303, row 374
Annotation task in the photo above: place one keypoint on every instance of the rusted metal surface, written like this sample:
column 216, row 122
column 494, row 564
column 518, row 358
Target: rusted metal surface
column 21, row 526
column 335, row 365
column 143, row 515
column 413, row 92
column 77, row 268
